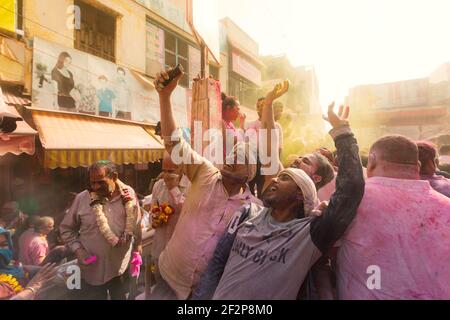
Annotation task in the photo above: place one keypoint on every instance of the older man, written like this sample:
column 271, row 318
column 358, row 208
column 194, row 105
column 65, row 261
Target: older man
column 172, row 190
column 399, row 244
column 103, row 228
column 213, row 198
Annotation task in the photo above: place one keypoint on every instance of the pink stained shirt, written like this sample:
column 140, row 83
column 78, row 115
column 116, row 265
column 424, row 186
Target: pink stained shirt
column 34, row 249
column 402, row 228
column 24, row 243
column 206, row 212
column 253, row 128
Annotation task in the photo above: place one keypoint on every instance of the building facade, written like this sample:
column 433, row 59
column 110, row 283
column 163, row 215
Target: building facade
column 417, row 108
column 241, row 71
column 80, row 72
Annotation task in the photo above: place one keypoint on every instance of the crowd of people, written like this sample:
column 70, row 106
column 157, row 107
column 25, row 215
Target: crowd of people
column 327, row 226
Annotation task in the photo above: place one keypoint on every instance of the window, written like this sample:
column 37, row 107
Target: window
column 97, row 33
column 177, row 52
column 244, row 90
column 165, row 49
column 19, row 17
column 154, row 56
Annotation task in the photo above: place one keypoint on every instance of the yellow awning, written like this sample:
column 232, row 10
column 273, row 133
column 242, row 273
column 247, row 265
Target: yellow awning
column 76, row 140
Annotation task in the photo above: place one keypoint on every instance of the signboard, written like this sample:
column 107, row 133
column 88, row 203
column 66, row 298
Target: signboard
column 171, row 10
column 70, row 80
column 155, row 49
column 8, row 15
column 12, row 60
column 245, row 68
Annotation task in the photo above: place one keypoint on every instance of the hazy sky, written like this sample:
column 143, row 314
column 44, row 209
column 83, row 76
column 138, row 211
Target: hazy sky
column 349, row 42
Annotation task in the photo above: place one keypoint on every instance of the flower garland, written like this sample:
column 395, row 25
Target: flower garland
column 12, row 282
column 161, row 214
column 97, row 204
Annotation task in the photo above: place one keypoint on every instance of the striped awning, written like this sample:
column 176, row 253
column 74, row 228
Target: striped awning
column 15, row 100
column 21, row 140
column 76, row 140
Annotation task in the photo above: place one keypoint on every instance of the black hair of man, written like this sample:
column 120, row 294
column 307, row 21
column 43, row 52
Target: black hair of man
column 324, row 170
column 110, row 167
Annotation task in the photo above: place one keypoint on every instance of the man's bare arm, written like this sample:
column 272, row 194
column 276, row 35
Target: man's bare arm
column 168, row 123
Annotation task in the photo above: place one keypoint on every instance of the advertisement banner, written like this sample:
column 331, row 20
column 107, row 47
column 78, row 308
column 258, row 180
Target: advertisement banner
column 66, row 79
column 155, row 49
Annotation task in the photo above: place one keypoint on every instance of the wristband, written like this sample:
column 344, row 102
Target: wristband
column 31, row 289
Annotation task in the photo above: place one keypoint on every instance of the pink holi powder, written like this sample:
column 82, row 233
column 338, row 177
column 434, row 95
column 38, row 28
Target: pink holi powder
column 91, row 260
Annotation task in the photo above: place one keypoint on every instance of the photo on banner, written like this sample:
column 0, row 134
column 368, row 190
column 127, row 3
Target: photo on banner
column 65, row 79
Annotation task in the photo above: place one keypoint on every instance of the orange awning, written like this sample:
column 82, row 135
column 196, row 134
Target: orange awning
column 76, row 140
column 15, row 100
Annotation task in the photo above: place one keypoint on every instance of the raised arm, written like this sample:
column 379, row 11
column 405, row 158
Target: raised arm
column 168, row 123
column 328, row 228
column 192, row 164
column 269, row 127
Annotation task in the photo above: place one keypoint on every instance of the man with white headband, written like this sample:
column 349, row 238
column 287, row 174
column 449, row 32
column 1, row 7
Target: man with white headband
column 268, row 250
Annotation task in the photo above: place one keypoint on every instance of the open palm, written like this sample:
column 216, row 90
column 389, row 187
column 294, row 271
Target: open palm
column 340, row 119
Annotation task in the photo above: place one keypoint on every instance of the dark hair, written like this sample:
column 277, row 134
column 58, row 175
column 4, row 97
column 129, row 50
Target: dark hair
column 62, row 56
column 324, row 170
column 326, row 153
column 110, row 167
column 158, row 129
column 364, row 160
column 121, row 69
column 33, row 220
column 396, row 149
column 427, row 152
column 444, row 149
column 228, row 102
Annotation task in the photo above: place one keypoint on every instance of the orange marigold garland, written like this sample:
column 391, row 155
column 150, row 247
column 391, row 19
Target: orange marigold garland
column 12, row 282
column 161, row 214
